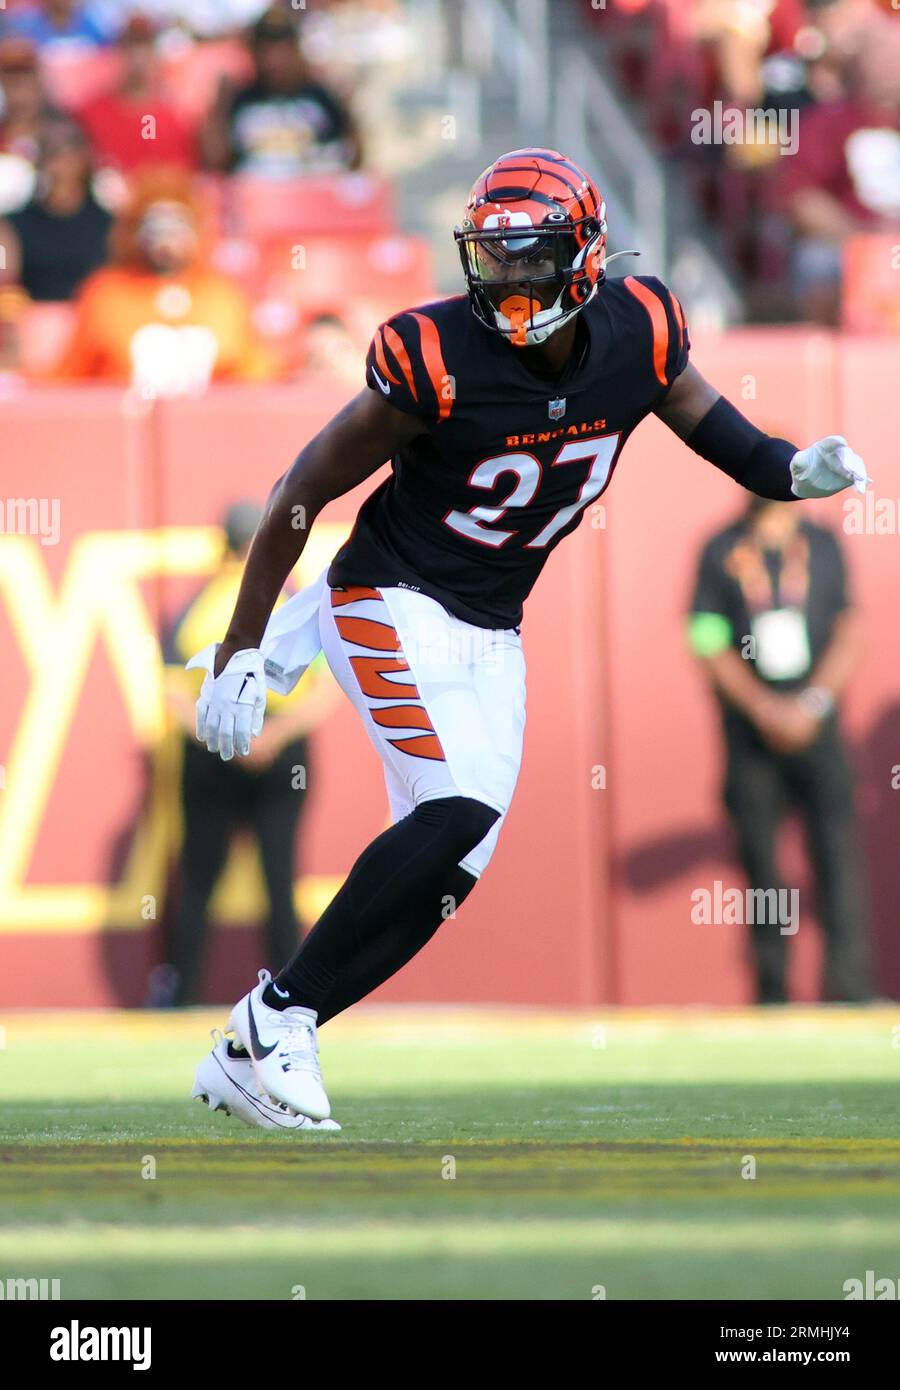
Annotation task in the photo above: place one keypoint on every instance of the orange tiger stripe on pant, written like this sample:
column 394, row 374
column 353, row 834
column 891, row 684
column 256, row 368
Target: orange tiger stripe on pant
column 372, row 672
column 340, row 597
column 366, row 632
column 403, row 717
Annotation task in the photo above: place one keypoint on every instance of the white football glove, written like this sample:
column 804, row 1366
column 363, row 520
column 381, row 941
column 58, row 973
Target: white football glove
column 827, row 467
column 232, row 705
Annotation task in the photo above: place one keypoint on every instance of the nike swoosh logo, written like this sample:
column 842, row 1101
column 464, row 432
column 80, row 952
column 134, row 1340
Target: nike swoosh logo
column 385, row 385
column 254, row 1100
column 259, row 1052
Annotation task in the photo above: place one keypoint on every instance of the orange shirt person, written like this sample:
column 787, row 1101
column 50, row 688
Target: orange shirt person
column 158, row 318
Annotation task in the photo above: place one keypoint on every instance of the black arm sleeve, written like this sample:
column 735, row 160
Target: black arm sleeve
column 756, row 460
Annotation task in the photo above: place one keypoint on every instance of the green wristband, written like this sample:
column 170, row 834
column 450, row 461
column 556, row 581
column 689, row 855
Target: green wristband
column 708, row 634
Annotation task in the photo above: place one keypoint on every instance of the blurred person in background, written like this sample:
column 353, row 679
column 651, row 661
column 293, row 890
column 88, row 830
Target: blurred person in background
column 845, row 176
column 23, row 108
column 135, row 124
column 265, row 794
column 158, row 317
column 772, row 586
column 330, row 348
column 746, row 35
column 55, row 242
column 54, row 25
column 742, row 33
column 285, row 123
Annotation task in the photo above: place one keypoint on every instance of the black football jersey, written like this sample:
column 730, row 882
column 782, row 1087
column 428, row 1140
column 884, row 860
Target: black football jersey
column 510, row 461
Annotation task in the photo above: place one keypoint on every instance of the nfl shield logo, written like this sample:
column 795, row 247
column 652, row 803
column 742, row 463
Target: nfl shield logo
column 557, row 409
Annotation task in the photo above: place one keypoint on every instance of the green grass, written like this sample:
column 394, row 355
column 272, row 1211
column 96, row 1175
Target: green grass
column 603, row 1150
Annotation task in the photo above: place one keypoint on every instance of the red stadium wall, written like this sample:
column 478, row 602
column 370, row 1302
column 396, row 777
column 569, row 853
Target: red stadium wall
column 588, row 899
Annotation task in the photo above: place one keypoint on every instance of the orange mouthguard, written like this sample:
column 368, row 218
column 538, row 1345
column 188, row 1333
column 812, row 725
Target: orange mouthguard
column 519, row 308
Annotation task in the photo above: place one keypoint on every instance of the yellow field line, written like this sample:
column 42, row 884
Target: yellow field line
column 436, row 1022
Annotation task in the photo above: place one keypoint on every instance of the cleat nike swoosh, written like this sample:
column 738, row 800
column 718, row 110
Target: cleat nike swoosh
column 259, row 1052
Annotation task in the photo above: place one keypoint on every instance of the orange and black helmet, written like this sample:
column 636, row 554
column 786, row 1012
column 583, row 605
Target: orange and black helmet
column 532, row 244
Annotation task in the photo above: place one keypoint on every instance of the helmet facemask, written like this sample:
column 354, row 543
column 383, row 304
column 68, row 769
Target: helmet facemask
column 524, row 281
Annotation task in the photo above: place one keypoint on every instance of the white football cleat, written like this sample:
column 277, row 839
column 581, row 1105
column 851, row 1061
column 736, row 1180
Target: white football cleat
column 225, row 1080
column 285, row 1051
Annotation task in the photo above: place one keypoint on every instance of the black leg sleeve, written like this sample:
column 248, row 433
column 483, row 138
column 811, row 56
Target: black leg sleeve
column 398, row 893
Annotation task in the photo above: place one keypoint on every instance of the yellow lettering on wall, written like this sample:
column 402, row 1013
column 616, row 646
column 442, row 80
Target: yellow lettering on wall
column 99, row 602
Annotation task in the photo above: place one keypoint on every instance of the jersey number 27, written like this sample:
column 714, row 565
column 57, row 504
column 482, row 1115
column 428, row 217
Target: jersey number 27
column 478, row 523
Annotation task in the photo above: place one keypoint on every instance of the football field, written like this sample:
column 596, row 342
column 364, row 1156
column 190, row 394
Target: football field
column 485, row 1154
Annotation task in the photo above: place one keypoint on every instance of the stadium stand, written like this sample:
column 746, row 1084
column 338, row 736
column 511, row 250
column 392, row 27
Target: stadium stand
column 288, row 244
column 832, row 65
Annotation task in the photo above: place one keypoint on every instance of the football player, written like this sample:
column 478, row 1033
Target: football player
column 503, row 413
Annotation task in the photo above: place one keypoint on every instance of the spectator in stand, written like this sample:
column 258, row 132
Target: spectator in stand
column 833, row 34
column 135, row 124
column 285, row 123
column 60, row 237
column 329, row 349
column 845, row 177
column 743, row 32
column 23, row 106
column 159, row 317
column 56, row 25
